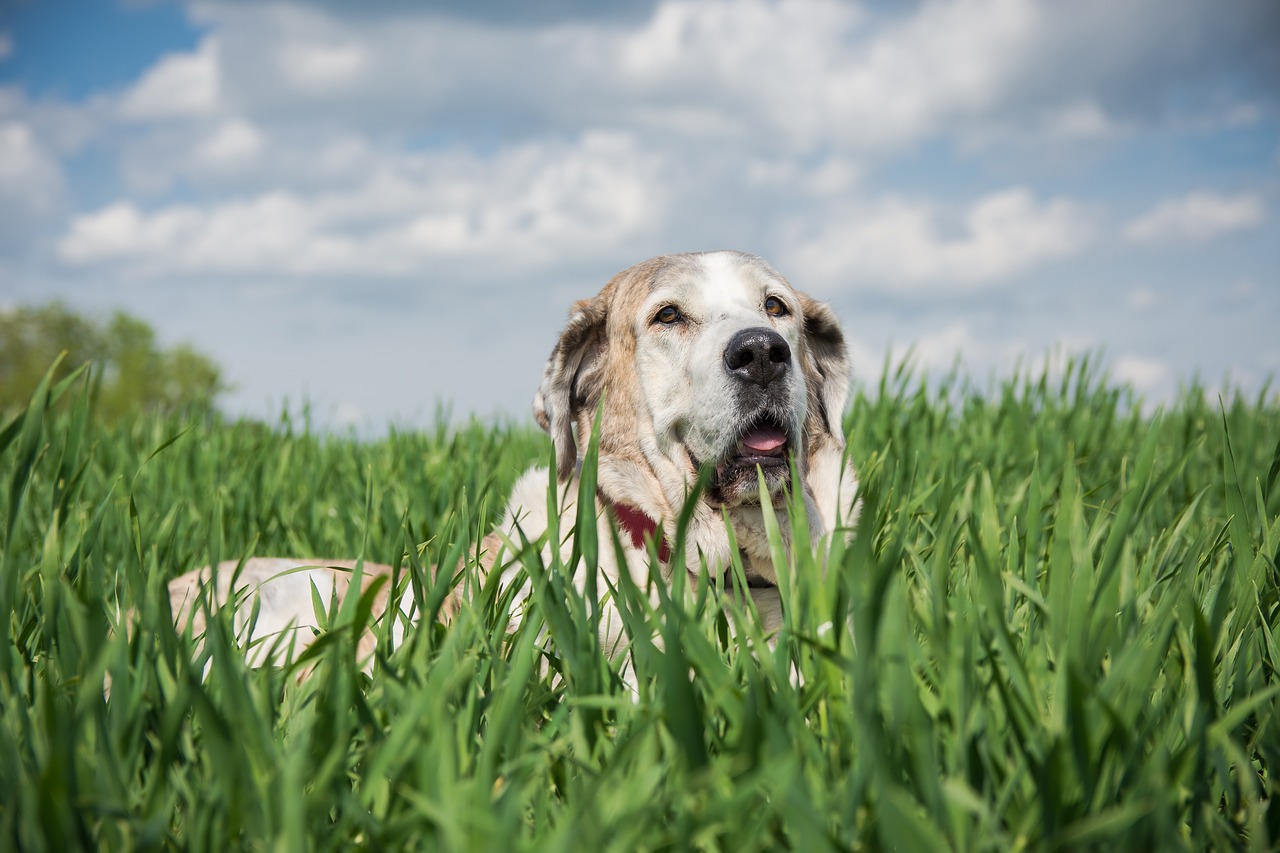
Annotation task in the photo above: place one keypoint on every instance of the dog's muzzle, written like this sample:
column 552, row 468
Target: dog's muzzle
column 758, row 360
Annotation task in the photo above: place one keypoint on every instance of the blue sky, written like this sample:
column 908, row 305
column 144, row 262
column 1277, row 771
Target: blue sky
column 382, row 208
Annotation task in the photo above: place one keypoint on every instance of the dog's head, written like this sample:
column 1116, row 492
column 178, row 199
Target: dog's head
column 700, row 360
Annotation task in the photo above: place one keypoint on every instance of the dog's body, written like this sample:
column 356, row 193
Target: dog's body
column 702, row 361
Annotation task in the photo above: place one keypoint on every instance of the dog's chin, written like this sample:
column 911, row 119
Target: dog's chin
column 762, row 449
column 738, row 485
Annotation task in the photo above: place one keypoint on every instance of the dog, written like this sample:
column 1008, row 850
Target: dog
column 703, row 362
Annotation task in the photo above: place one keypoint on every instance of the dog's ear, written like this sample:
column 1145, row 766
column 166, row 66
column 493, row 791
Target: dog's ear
column 572, row 380
column 830, row 478
column 827, row 365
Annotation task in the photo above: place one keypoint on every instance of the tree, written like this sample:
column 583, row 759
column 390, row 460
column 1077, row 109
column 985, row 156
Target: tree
column 129, row 373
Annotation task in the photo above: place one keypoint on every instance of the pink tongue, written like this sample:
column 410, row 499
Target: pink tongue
column 764, row 439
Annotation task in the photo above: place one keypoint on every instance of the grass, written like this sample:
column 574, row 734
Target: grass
column 1057, row 629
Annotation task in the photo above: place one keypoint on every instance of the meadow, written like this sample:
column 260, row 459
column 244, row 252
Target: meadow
column 1056, row 629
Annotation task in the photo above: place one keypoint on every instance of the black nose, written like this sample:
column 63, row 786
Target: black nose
column 757, row 355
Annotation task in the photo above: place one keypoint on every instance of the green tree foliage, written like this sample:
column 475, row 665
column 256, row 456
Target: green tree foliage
column 129, row 373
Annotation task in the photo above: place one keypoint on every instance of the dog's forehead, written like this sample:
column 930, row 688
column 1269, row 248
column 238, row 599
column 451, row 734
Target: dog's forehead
column 714, row 281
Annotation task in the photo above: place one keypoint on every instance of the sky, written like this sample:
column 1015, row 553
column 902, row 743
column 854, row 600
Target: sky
column 384, row 210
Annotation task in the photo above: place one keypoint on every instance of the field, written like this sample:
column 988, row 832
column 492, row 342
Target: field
column 1056, row 629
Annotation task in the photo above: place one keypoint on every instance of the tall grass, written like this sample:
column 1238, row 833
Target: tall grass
column 1055, row 629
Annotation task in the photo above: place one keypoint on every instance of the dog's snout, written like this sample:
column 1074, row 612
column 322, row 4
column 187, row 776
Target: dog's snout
column 757, row 355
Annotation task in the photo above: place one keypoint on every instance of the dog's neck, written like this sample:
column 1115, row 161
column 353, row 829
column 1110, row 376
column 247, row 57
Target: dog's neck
column 639, row 527
column 632, row 495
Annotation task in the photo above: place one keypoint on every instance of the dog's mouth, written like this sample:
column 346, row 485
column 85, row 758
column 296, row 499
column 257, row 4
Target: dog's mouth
column 763, row 445
column 764, row 442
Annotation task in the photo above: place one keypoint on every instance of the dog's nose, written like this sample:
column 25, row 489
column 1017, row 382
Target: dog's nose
column 757, row 355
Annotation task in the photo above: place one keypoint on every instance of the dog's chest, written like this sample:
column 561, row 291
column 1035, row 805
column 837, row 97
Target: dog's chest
column 753, row 543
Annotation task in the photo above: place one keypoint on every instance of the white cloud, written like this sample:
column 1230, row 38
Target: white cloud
column 983, row 347
column 1196, row 218
column 234, row 144
column 778, row 98
column 1244, row 289
column 1054, row 129
column 6, row 45
column 832, row 177
column 938, row 350
column 1080, row 120
column 794, row 74
column 59, row 128
column 319, row 67
column 30, row 176
column 1144, row 300
column 348, row 415
column 180, row 85
column 898, row 243
column 1145, row 374
column 815, row 72
column 238, row 156
column 523, row 206
column 121, row 231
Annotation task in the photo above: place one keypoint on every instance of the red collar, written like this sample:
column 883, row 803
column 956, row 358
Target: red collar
column 638, row 525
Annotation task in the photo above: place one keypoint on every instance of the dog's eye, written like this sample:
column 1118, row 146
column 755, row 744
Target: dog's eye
column 668, row 315
column 775, row 307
